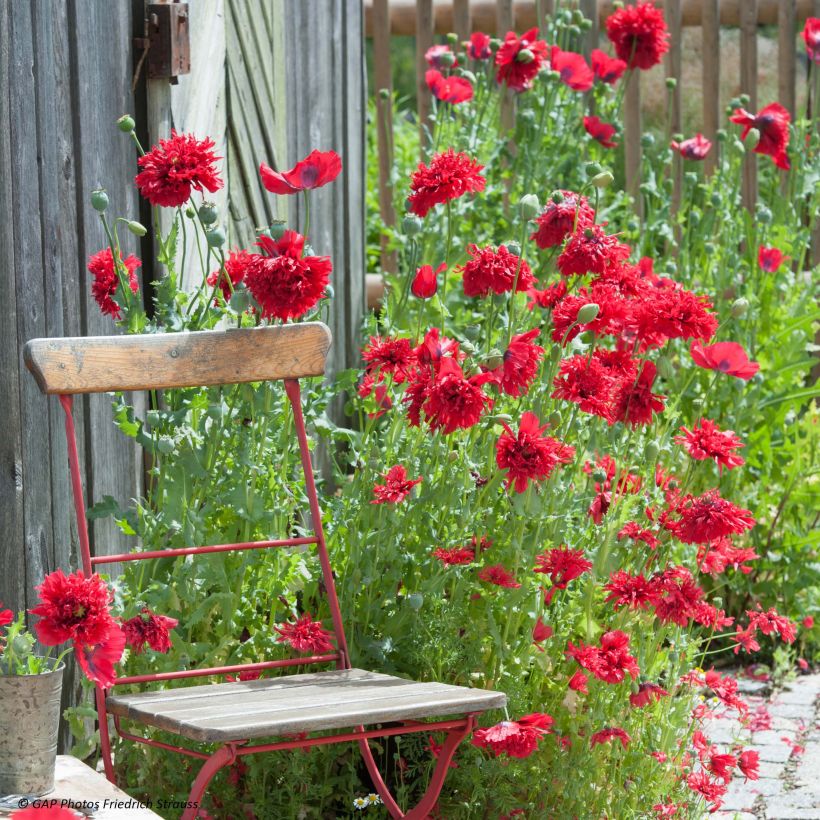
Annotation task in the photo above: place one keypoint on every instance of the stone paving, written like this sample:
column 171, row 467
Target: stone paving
column 789, row 784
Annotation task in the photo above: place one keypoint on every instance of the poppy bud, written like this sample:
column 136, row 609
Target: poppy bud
column 632, row 225
column 593, row 168
column 470, row 77
column 671, row 83
column 425, row 282
column 190, row 212
column 555, row 419
column 574, row 30
column 452, row 38
column 647, row 188
column 241, row 298
column 165, row 445
column 452, row 456
column 739, row 307
column 589, row 233
column 673, row 655
column 126, row 123
column 577, row 16
column 411, row 225
column 738, row 145
column 446, row 59
column 527, row 116
column 721, row 134
column 472, row 332
column 529, row 207
column 764, row 215
column 618, row 4
column 525, row 56
column 552, row 75
column 586, row 24
column 603, row 180
column 137, row 228
column 715, row 199
column 277, row 229
column 208, row 213
column 652, row 449
column 514, row 248
column 495, row 43
column 557, row 197
column 745, row 99
column 99, row 199
column 599, row 475
column 717, row 601
column 495, row 359
column 415, row 600
column 215, row 238
column 587, row 313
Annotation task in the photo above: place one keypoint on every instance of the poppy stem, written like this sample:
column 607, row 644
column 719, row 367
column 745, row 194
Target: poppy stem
column 307, row 213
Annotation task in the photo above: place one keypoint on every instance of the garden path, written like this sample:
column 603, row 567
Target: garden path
column 789, row 784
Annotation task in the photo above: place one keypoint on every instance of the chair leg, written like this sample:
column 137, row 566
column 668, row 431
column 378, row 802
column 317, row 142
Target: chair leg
column 223, row 756
column 422, row 809
column 105, row 737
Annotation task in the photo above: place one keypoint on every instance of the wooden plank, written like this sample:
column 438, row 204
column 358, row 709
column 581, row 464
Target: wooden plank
column 673, row 66
column 786, row 56
column 590, row 10
column 504, row 23
column 632, row 137
column 710, row 79
column 462, row 19
column 424, row 39
column 748, row 85
column 100, row 364
column 298, row 703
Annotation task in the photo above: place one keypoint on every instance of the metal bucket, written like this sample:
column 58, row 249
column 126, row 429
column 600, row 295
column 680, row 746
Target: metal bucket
column 29, row 722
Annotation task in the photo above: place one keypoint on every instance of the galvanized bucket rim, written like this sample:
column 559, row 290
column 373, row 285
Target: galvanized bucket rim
column 53, row 671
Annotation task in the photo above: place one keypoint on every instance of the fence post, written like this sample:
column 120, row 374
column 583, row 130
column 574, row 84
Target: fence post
column 748, row 85
column 672, row 10
column 424, row 39
column 710, row 39
column 504, row 23
column 462, row 23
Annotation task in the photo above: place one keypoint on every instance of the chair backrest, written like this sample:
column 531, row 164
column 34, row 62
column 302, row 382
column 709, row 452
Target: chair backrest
column 101, row 364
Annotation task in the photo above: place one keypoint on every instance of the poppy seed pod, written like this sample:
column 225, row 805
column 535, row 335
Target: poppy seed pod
column 137, row 228
column 411, row 225
column 587, row 313
column 671, row 83
column 415, row 601
column 208, row 213
column 599, row 475
column 126, row 123
column 652, row 449
column 277, row 229
column 647, row 140
column 514, row 248
column 99, row 200
column 241, row 298
column 446, row 59
column 525, row 56
column 529, row 207
column 739, row 307
column 215, row 238
column 557, row 197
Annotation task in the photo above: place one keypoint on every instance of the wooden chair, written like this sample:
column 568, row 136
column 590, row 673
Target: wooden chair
column 232, row 715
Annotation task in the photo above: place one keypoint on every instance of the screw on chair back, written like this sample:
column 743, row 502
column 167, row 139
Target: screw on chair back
column 232, row 714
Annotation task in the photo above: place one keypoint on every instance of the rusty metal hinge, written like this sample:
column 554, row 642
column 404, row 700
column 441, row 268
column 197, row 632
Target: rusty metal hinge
column 166, row 42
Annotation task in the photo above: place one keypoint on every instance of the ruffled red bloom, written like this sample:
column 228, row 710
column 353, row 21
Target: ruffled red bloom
column 171, row 169
column 149, row 628
column 607, row 69
column 305, row 636
column 97, row 661
column 770, row 622
column 647, row 692
column 449, row 176
column 635, row 403
column 674, row 314
column 772, row 123
column 315, row 170
column 811, row 37
column 453, row 402
column 612, row 313
column 434, row 54
column 236, row 266
column 587, row 383
column 722, row 766
column 104, row 286
column 573, row 68
column 590, row 250
column 521, row 360
column 456, row 556
column 727, row 357
column 632, row 591
column 578, row 682
column 609, row 662
column 494, row 270
column 285, row 283
column 712, row 791
column 425, row 282
column 770, row 259
column 529, row 455
column 549, row 297
column 396, row 486
column 633, row 530
column 541, row 632
column 748, row 762
column 695, row 148
column 717, row 556
column 707, row 441
column 515, row 738
column 385, row 356
column 6, row 617
column 453, row 90
column 709, row 517
column 639, row 35
column 562, row 565
column 679, row 597
column 433, row 350
column 45, row 812
column 499, row 576
column 559, row 219
column 601, row 131
column 515, row 69
column 479, row 46
column 609, row 734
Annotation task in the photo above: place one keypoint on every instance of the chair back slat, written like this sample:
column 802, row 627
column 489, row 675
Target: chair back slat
column 101, row 364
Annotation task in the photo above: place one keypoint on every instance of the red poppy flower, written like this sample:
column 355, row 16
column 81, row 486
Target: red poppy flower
column 601, row 131
column 632, row 591
column 673, row 314
column 606, row 69
column 105, row 284
column 717, row 556
column 609, row 662
column 578, row 682
column 647, row 692
column 97, row 661
column 721, row 766
column 529, row 455
column 772, row 123
column 499, row 576
column 385, row 356
column 455, row 556
column 305, row 635
column 479, row 46
column 6, row 617
column 449, row 176
column 770, row 259
column 149, row 628
column 811, row 37
column 748, row 762
column 315, row 170
column 770, row 622
column 712, row 791
column 494, row 270
column 549, row 297
column 396, row 486
column 520, row 364
column 695, row 148
column 171, row 169
column 706, row 441
column 635, row 403
column 639, row 35
column 236, row 266
column 434, row 54
column 590, row 250
column 433, row 349
column 45, row 812
column 709, row 517
column 559, row 219
column 573, row 68
column 634, row 531
column 520, row 59
column 515, row 738
column 727, row 357
column 425, row 282
column 453, row 402
column 541, row 632
column 609, row 734
column 587, row 383
column 453, row 90
column 285, row 283
column 562, row 565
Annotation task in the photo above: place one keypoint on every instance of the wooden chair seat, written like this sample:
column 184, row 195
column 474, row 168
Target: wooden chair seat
column 311, row 702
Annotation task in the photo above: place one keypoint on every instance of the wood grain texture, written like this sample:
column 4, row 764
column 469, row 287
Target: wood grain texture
column 424, row 39
column 786, row 54
column 673, row 68
column 298, row 703
column 748, row 85
column 166, row 360
column 710, row 79
column 462, row 19
column 632, row 137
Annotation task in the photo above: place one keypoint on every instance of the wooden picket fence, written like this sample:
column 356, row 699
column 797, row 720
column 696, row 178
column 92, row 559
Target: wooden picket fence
column 425, row 19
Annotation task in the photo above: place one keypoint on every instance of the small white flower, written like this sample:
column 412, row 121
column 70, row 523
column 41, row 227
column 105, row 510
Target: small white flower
column 360, row 803
column 373, row 799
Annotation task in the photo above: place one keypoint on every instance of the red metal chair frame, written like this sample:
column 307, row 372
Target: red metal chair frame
column 457, row 729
